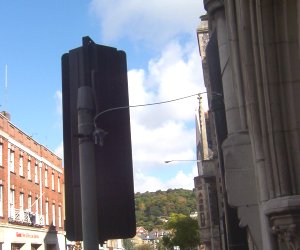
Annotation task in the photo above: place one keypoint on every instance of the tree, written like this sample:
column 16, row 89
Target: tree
column 167, row 243
column 152, row 205
column 128, row 245
column 184, row 232
column 145, row 247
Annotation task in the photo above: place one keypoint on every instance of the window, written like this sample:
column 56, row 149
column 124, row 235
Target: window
column 53, row 214
column 36, row 176
column 52, row 180
column 1, row 201
column 11, row 160
column 1, row 154
column 36, row 205
column 16, row 246
column 11, row 203
column 21, row 201
column 202, row 220
column 12, row 198
column 35, row 246
column 29, row 170
column 21, row 165
column 46, row 177
column 29, row 203
column 59, row 216
column 58, row 184
column 47, row 213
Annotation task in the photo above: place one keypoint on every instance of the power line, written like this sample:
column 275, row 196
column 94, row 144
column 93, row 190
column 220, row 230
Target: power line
column 143, row 105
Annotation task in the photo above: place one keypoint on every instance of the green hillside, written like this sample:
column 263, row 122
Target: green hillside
column 153, row 207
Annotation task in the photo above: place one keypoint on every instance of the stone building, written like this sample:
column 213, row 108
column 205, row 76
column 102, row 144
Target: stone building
column 253, row 61
column 221, row 231
column 31, row 192
column 207, row 185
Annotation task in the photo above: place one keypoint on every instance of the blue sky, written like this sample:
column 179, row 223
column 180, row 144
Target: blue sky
column 159, row 38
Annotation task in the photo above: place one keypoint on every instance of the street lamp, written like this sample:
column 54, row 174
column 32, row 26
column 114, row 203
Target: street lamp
column 182, row 160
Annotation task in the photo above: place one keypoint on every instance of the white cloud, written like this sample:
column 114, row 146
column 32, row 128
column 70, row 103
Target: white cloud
column 182, row 180
column 58, row 99
column 169, row 141
column 152, row 21
column 145, row 183
column 176, row 73
column 166, row 131
column 59, row 151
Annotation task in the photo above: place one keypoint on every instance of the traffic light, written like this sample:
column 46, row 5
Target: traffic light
column 104, row 70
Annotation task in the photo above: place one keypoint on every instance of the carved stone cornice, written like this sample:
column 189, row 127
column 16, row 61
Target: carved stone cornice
column 286, row 227
column 284, row 216
column 212, row 5
column 285, row 204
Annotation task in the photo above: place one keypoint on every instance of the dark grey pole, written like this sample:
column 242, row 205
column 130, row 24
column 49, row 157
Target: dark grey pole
column 85, row 108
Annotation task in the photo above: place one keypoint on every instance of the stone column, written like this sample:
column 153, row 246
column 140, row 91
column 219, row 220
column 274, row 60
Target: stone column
column 243, row 50
column 259, row 57
column 239, row 174
column 279, row 39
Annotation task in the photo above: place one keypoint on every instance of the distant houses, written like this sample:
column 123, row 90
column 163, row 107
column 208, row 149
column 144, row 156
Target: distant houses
column 153, row 238
column 150, row 238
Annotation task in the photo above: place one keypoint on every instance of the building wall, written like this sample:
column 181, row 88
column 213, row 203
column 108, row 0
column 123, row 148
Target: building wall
column 37, row 176
column 208, row 187
column 28, row 238
column 257, row 43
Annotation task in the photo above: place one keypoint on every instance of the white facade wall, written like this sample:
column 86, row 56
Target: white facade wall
column 28, row 237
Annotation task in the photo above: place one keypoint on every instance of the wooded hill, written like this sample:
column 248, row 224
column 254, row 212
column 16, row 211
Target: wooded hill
column 152, row 208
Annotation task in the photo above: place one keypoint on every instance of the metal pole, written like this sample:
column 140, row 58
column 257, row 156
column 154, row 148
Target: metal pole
column 85, row 108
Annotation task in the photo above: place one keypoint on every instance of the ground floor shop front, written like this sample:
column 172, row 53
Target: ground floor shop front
column 26, row 238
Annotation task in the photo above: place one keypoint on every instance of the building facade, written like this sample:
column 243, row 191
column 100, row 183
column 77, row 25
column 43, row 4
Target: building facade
column 208, row 185
column 253, row 61
column 218, row 220
column 31, row 192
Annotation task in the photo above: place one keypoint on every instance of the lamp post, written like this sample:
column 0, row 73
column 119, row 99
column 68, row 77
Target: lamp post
column 168, row 161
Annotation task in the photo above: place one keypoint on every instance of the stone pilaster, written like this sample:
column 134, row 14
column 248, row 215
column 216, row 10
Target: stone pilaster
column 284, row 214
column 239, row 177
column 258, row 46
